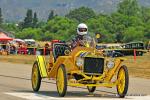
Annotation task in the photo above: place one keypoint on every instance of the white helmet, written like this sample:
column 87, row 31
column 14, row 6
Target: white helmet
column 82, row 29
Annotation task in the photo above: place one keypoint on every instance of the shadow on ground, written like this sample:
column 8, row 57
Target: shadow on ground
column 73, row 94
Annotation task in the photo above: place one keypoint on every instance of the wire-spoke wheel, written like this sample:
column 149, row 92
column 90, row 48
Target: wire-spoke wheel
column 35, row 77
column 123, row 81
column 61, row 81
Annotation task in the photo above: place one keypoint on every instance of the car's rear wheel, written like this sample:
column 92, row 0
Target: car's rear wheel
column 61, row 81
column 91, row 89
column 35, row 77
column 123, row 81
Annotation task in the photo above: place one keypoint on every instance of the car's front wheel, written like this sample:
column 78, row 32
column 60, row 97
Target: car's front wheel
column 91, row 89
column 36, row 77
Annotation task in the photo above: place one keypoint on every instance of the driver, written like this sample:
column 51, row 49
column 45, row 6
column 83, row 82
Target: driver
column 82, row 30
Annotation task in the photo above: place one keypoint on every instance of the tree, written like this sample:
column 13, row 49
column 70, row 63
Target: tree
column 59, row 28
column 35, row 20
column 133, row 34
column 145, row 14
column 147, row 30
column 28, row 19
column 100, row 24
column 103, row 25
column 30, row 33
column 126, row 20
column 119, row 21
column 51, row 15
column 1, row 19
column 81, row 14
column 10, row 27
column 129, row 8
column 129, row 23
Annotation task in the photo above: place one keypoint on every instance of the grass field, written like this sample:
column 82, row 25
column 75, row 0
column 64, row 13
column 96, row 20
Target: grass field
column 138, row 68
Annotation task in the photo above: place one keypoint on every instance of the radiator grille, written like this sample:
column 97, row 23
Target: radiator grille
column 93, row 65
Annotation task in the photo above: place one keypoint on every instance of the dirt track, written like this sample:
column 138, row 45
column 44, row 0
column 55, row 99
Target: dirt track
column 15, row 85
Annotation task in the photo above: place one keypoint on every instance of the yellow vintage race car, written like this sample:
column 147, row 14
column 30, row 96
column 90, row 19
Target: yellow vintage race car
column 82, row 66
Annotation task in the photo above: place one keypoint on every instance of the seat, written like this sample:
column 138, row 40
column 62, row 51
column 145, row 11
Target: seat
column 59, row 49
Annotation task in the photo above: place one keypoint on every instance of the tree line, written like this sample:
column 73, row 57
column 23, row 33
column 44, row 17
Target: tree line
column 131, row 22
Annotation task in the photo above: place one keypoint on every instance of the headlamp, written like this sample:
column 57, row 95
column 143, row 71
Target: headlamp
column 79, row 62
column 110, row 64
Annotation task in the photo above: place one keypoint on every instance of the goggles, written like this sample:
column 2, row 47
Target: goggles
column 82, row 29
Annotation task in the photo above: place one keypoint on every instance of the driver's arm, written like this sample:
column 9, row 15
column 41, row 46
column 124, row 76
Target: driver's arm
column 73, row 43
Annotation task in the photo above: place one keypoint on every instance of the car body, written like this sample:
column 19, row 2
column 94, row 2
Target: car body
column 82, row 66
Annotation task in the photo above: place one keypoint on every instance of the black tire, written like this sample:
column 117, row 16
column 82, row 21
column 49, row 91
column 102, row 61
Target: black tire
column 91, row 89
column 64, row 83
column 122, row 95
column 36, row 86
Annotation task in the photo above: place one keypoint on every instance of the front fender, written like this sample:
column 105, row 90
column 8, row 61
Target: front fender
column 67, row 61
column 42, row 66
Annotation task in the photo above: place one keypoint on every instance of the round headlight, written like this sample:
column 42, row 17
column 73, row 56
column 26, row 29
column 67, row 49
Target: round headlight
column 79, row 62
column 110, row 64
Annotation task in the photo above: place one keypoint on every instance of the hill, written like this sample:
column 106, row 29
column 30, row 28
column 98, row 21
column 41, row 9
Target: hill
column 15, row 10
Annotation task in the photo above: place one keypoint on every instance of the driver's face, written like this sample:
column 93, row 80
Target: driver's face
column 82, row 29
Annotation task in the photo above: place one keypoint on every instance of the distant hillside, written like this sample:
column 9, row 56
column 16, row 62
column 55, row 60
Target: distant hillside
column 15, row 10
